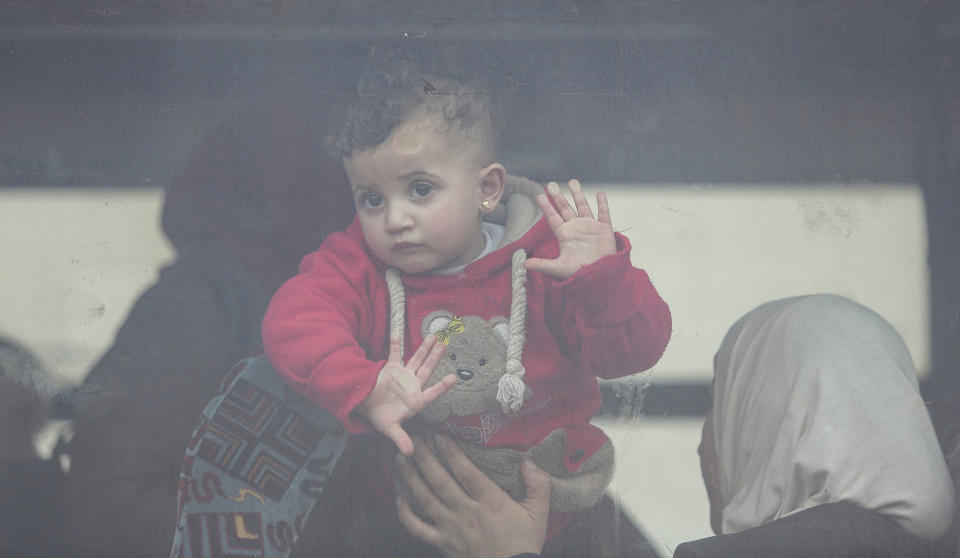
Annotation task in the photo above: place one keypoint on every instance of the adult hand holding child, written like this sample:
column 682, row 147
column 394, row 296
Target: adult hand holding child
column 470, row 514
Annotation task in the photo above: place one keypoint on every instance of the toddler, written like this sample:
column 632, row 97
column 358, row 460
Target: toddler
column 515, row 300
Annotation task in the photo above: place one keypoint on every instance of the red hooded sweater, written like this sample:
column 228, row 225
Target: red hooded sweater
column 326, row 330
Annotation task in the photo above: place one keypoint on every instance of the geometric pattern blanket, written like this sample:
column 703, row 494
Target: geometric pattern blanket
column 258, row 460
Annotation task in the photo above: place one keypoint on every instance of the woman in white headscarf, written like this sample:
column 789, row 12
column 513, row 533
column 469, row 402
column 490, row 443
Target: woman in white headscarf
column 818, row 443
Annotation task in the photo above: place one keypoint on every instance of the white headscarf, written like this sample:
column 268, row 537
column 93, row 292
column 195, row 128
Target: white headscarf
column 816, row 401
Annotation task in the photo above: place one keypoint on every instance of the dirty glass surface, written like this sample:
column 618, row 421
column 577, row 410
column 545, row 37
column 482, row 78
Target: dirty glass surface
column 162, row 172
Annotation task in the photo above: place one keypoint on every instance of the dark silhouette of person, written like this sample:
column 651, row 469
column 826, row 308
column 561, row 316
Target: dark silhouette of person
column 31, row 523
column 256, row 195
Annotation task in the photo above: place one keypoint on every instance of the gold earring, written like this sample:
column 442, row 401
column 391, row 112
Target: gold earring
column 485, row 204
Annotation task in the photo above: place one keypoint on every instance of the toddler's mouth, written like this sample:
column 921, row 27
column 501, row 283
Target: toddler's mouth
column 405, row 247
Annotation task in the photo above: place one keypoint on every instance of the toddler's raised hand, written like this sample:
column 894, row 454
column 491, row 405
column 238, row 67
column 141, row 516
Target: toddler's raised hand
column 399, row 394
column 583, row 239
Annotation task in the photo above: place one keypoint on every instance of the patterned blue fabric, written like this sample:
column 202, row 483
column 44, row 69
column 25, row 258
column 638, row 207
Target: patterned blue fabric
column 256, row 464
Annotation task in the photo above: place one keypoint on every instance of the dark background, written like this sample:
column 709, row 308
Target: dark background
column 118, row 93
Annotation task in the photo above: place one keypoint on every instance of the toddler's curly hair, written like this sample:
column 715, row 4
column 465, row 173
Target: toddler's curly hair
column 399, row 85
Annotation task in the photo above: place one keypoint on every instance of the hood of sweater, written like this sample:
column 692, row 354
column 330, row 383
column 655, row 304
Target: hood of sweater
column 517, row 211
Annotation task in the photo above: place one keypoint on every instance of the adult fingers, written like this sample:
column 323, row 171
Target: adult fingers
column 538, row 488
column 579, row 199
column 436, row 476
column 420, row 491
column 560, row 202
column 603, row 208
column 416, row 526
column 476, row 484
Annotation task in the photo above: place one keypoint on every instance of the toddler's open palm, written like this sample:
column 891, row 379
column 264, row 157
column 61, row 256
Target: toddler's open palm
column 582, row 239
column 399, row 395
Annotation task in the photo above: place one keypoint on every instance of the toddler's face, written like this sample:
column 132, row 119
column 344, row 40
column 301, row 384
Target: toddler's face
column 418, row 198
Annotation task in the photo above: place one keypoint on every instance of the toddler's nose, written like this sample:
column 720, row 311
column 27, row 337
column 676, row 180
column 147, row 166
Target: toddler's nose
column 397, row 220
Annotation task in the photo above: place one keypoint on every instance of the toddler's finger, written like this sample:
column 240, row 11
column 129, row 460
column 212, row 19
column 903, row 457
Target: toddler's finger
column 545, row 266
column 603, row 208
column 396, row 349
column 399, row 436
column 554, row 220
column 422, row 351
column 433, row 392
column 560, row 202
column 579, row 199
column 426, row 367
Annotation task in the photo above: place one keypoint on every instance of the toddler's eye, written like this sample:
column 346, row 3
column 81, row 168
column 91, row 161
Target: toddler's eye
column 421, row 189
column 483, row 361
column 371, row 201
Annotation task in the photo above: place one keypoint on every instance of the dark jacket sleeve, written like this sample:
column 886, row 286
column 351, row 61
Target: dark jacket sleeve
column 137, row 408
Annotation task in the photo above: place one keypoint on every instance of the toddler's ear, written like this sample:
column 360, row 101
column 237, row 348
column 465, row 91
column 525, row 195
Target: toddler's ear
column 492, row 179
